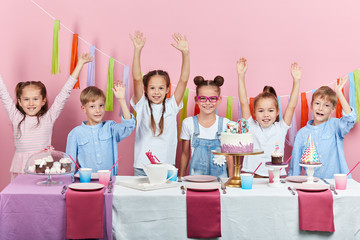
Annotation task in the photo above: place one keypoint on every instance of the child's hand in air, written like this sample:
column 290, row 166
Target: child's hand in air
column 339, row 86
column 85, row 58
column 119, row 90
column 296, row 72
column 241, row 66
column 181, row 43
column 138, row 40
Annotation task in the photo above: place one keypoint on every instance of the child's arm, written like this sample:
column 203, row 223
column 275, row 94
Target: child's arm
column 241, row 66
column 183, row 46
column 7, row 101
column 290, row 109
column 139, row 42
column 230, row 165
column 119, row 92
column 338, row 90
column 82, row 60
column 185, row 157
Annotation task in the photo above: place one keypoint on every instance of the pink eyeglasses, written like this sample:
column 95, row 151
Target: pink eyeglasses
column 212, row 99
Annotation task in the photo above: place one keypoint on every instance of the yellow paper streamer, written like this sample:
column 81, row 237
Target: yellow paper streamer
column 229, row 108
column 357, row 93
column 183, row 111
column 110, row 84
column 55, row 65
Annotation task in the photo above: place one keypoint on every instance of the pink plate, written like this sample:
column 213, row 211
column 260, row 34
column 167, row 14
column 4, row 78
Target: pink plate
column 311, row 187
column 202, row 187
column 299, row 179
column 200, row 178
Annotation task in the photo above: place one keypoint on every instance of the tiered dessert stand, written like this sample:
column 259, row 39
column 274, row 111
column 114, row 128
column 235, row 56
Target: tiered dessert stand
column 276, row 172
column 310, row 168
column 235, row 181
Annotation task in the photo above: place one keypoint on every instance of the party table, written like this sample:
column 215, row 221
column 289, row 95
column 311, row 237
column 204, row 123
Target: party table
column 260, row 213
column 31, row 211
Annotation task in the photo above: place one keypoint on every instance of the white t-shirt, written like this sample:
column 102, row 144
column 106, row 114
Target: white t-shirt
column 163, row 146
column 265, row 139
column 188, row 129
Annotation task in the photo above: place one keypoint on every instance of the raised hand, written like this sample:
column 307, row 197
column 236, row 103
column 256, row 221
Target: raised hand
column 85, row 58
column 138, row 40
column 181, row 43
column 119, row 90
column 296, row 71
column 339, row 86
column 241, row 66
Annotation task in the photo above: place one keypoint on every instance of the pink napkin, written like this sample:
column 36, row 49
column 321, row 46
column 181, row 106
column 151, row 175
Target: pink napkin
column 84, row 214
column 316, row 211
column 203, row 214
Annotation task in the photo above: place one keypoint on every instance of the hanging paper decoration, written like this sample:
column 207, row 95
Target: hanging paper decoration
column 55, row 65
column 338, row 105
column 304, row 110
column 312, row 92
column 251, row 105
column 183, row 111
column 110, row 84
column 357, row 93
column 280, row 110
column 91, row 68
column 196, row 109
column 239, row 111
column 292, row 131
column 229, row 108
column 126, row 82
column 352, row 98
column 169, row 93
column 74, row 58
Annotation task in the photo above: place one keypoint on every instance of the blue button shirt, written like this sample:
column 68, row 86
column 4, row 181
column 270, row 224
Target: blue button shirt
column 96, row 146
column 328, row 138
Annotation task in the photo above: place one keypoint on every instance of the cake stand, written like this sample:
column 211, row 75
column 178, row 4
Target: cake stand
column 310, row 168
column 235, row 181
column 276, row 171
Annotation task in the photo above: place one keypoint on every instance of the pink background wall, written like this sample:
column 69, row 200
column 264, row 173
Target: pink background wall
column 320, row 35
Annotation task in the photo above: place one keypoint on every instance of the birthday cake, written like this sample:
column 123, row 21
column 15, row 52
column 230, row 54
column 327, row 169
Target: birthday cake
column 276, row 156
column 310, row 155
column 236, row 138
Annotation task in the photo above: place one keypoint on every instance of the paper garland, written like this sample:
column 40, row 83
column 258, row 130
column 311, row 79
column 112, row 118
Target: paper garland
column 55, row 64
column 74, row 58
column 251, row 105
column 280, row 110
column 196, row 110
column 229, row 108
column 357, row 93
column 338, row 105
column 352, row 91
column 91, row 68
column 110, row 84
column 304, row 110
column 183, row 111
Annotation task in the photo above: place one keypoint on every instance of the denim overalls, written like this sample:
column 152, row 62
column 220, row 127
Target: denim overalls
column 202, row 159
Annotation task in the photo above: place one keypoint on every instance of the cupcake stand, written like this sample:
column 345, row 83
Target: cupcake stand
column 276, row 171
column 310, row 168
column 235, row 181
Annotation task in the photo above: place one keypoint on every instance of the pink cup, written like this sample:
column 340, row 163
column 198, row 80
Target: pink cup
column 271, row 175
column 340, row 181
column 104, row 177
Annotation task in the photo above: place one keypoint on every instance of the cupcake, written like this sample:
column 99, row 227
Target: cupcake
column 276, row 156
column 40, row 166
column 66, row 164
column 49, row 161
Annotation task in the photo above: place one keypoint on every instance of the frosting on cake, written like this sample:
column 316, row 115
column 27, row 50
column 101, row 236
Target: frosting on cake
column 236, row 138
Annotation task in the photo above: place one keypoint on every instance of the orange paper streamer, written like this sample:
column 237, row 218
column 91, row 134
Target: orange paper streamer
column 304, row 110
column 196, row 110
column 169, row 93
column 74, row 58
column 338, row 105
column 251, row 105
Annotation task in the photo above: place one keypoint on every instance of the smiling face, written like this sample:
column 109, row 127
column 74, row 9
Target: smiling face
column 94, row 111
column 156, row 90
column 322, row 109
column 208, row 107
column 266, row 112
column 31, row 100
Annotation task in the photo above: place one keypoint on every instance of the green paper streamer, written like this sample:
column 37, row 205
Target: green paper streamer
column 357, row 93
column 183, row 111
column 110, row 83
column 229, row 108
column 55, row 65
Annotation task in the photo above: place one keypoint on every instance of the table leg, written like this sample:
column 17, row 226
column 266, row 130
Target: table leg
column 235, row 181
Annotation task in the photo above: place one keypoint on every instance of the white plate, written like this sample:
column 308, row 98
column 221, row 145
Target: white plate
column 299, row 179
column 312, row 187
column 200, row 178
column 86, row 186
column 203, row 187
column 94, row 176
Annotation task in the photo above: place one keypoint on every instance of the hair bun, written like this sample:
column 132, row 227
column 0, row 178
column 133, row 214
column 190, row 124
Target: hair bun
column 219, row 81
column 269, row 89
column 198, row 80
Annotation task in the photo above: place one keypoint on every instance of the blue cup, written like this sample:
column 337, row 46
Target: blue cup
column 174, row 173
column 246, row 180
column 85, row 175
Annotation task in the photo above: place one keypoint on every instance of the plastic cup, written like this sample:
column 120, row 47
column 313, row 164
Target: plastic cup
column 340, row 181
column 246, row 180
column 174, row 173
column 104, row 177
column 271, row 175
column 85, row 175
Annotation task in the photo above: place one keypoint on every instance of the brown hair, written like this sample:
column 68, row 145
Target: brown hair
column 270, row 93
column 201, row 82
column 326, row 93
column 19, row 90
column 146, row 80
column 91, row 94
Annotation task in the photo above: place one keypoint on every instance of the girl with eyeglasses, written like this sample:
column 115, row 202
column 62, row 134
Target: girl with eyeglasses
column 200, row 134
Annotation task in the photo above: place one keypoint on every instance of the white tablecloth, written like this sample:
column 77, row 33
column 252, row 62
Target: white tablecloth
column 260, row 213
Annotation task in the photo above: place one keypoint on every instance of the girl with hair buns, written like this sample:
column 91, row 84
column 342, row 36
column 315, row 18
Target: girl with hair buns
column 200, row 134
column 155, row 114
column 267, row 129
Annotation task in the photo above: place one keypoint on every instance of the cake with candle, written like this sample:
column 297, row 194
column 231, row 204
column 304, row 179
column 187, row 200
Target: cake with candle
column 310, row 155
column 237, row 138
column 276, row 155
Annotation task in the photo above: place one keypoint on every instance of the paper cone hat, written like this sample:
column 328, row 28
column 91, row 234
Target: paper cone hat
column 310, row 155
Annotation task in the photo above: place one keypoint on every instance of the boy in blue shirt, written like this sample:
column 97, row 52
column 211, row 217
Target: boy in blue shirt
column 327, row 133
column 95, row 142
